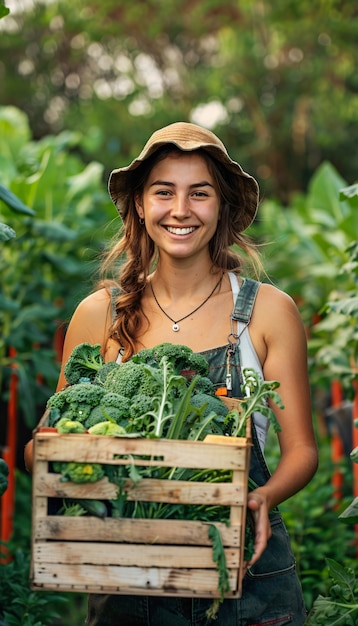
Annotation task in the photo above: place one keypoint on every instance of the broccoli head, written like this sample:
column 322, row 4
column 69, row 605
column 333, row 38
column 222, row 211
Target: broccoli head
column 57, row 401
column 115, row 399
column 53, row 416
column 80, row 411
column 181, row 357
column 84, row 394
column 101, row 413
column 127, row 379
column 213, row 404
column 140, row 404
column 84, row 362
column 204, row 385
column 103, row 372
column 79, row 472
column 75, row 402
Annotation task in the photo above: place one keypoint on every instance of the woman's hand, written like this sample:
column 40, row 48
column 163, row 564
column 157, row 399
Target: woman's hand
column 257, row 503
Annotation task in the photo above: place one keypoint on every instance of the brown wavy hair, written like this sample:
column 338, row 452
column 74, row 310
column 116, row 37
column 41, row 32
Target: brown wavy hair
column 133, row 255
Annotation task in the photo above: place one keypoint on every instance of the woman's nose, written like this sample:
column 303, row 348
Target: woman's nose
column 180, row 206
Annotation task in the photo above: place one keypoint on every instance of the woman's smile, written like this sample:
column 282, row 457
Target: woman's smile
column 176, row 230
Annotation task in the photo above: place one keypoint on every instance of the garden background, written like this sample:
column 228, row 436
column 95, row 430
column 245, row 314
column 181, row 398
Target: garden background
column 83, row 85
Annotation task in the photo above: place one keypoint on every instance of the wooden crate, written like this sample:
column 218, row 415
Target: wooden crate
column 137, row 556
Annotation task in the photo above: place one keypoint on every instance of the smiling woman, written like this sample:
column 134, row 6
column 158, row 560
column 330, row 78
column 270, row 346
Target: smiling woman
column 176, row 277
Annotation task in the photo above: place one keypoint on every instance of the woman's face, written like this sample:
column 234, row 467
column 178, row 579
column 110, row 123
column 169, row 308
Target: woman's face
column 180, row 205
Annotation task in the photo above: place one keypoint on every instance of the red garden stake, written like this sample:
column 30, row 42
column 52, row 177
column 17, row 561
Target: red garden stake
column 337, row 451
column 355, row 444
column 9, row 455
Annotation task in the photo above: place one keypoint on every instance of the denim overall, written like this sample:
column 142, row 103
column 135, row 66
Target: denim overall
column 271, row 592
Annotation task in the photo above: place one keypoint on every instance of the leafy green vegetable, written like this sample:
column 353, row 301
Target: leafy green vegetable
column 79, row 472
column 83, row 394
column 109, row 428
column 257, row 392
column 181, row 357
column 79, row 507
column 103, row 372
column 65, row 425
column 84, row 362
column 71, row 508
column 127, row 379
column 220, row 559
column 104, row 412
column 160, row 392
column 153, row 422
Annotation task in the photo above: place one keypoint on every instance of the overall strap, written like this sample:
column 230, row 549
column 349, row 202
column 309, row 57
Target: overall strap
column 245, row 301
column 243, row 307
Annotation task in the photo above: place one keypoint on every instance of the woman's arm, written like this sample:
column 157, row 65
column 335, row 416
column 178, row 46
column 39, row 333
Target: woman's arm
column 285, row 360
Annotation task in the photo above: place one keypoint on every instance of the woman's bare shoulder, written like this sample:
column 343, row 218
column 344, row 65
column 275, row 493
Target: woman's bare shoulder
column 92, row 316
column 96, row 298
column 276, row 314
column 273, row 297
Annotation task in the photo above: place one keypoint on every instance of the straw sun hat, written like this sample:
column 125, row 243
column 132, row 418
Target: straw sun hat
column 189, row 137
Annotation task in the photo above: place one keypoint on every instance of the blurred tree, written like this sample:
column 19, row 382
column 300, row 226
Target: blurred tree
column 277, row 81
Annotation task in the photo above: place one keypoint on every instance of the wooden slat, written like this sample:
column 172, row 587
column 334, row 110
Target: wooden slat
column 62, row 528
column 132, row 580
column 129, row 555
column 164, row 452
column 147, row 490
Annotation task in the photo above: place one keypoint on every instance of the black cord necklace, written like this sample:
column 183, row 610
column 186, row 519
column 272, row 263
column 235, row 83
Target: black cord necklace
column 176, row 326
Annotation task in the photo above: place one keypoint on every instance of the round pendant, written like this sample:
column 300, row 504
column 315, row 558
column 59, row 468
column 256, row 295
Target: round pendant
column 176, row 327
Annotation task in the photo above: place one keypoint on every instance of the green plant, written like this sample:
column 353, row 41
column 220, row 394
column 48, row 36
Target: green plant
column 311, row 520
column 56, row 205
column 84, row 362
column 19, row 605
column 316, row 229
column 335, row 338
column 339, row 606
column 16, row 597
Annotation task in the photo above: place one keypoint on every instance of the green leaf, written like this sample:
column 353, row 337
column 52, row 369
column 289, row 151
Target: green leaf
column 53, row 231
column 89, row 178
column 340, row 574
column 350, row 194
column 324, row 190
column 350, row 514
column 6, row 232
column 346, row 306
column 3, row 10
column 8, row 305
column 13, row 202
column 67, row 265
column 220, row 559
